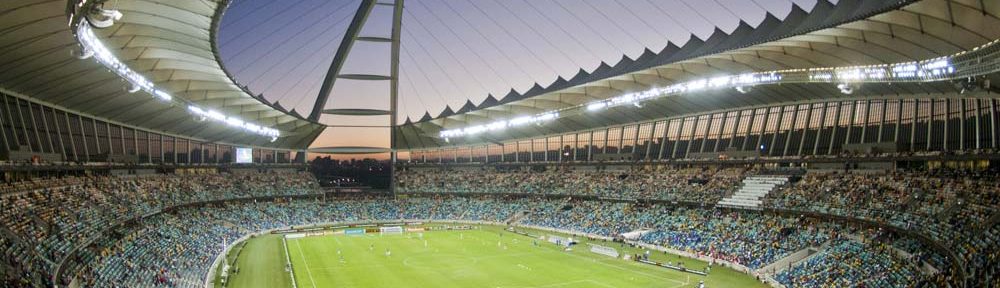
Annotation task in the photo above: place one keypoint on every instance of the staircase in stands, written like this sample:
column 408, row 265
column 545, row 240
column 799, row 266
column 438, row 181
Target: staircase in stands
column 753, row 189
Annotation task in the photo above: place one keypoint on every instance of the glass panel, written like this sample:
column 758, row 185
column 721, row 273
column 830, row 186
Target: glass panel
column 568, row 147
column 553, row 149
column 614, row 140
column 143, row 146
column 628, row 139
column 583, row 146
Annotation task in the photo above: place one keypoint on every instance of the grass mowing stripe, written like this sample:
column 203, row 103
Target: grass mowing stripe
column 305, row 263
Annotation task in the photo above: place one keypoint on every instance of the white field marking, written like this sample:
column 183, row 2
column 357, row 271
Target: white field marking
column 335, row 238
column 306, row 263
column 288, row 261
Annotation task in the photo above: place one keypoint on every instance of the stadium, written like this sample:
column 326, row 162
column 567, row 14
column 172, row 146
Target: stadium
column 761, row 143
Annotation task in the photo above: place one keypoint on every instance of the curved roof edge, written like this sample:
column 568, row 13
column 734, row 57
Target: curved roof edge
column 213, row 36
column 297, row 131
column 824, row 15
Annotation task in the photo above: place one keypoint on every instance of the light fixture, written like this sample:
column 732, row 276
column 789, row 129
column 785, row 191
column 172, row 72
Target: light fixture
column 596, row 106
column 744, row 89
column 162, row 95
column 91, row 45
column 132, row 88
column 82, row 53
column 101, row 18
column 845, row 88
column 969, row 84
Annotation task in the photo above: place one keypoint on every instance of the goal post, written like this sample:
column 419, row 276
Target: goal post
column 604, row 250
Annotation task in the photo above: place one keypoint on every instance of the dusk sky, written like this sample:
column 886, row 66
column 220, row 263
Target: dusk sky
column 454, row 50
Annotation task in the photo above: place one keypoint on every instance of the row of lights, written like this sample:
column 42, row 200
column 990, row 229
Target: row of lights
column 926, row 70
column 739, row 81
column 848, row 79
column 499, row 125
column 92, row 47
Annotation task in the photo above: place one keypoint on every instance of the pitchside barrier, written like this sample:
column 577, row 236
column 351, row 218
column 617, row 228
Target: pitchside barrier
column 562, row 241
column 354, row 231
column 295, row 236
column 391, row 230
column 735, row 266
column 604, row 250
column 678, row 268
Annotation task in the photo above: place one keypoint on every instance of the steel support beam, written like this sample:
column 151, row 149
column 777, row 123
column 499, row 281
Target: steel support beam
column 822, row 125
column 343, row 50
column 397, row 22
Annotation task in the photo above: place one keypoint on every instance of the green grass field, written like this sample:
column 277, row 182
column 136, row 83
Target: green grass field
column 456, row 259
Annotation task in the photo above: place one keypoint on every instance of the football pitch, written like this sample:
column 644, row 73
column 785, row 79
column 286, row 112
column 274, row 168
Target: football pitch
column 485, row 257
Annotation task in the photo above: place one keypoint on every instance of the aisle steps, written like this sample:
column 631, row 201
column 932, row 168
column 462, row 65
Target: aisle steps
column 753, row 189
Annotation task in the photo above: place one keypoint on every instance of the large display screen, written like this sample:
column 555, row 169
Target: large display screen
column 244, row 155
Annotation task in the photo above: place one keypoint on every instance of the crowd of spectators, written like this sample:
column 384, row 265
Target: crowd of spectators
column 706, row 185
column 959, row 209
column 42, row 220
column 751, row 239
column 850, row 263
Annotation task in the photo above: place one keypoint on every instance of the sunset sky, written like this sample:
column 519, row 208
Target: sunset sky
column 454, row 51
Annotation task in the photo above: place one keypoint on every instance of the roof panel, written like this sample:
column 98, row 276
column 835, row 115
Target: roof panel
column 169, row 42
column 852, row 32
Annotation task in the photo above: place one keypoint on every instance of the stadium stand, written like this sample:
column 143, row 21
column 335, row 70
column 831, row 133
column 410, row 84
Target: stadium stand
column 850, row 263
column 165, row 229
column 50, row 218
column 703, row 185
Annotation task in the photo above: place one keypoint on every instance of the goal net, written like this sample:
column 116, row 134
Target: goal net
column 604, row 250
column 391, row 230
